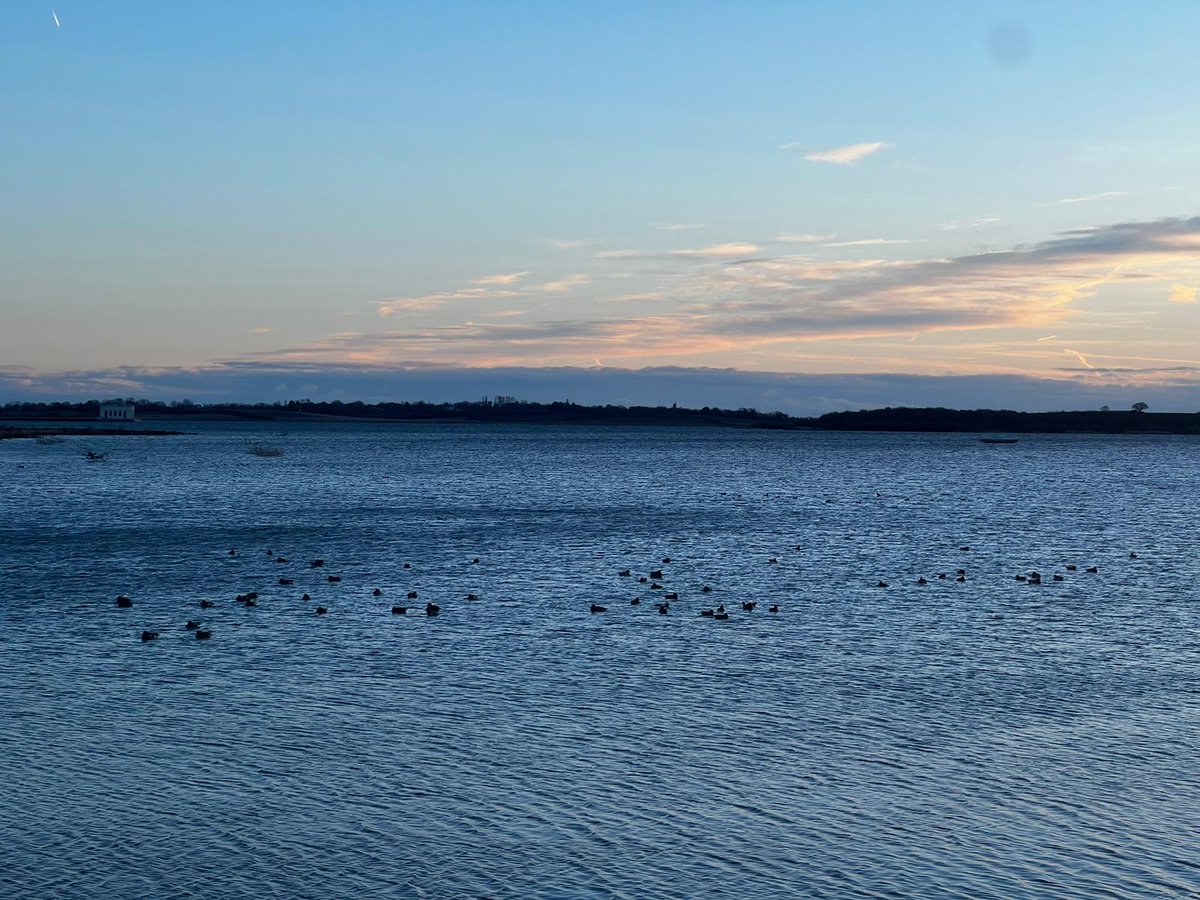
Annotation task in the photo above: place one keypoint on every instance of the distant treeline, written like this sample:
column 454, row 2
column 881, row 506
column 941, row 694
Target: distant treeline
column 1005, row 420
column 982, row 421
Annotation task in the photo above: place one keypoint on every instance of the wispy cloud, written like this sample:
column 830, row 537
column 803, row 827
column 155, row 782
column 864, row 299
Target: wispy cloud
column 567, row 243
column 562, row 285
column 841, row 156
column 678, row 226
column 1090, row 198
column 716, row 251
column 1181, row 293
column 1082, row 359
column 872, row 242
column 510, row 278
column 789, row 237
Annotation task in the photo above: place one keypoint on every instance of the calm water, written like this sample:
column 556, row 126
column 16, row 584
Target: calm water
column 985, row 739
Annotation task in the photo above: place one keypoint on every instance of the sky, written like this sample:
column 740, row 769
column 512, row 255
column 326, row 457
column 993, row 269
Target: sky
column 793, row 205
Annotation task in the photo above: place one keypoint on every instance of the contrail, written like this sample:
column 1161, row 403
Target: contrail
column 57, row 24
column 1048, row 337
column 1083, row 359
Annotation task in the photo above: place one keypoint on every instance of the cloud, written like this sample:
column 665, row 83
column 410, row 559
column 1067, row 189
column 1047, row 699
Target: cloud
column 873, row 242
column 567, row 243
column 1181, row 293
column 563, row 285
column 678, row 226
column 724, row 301
column 1090, row 198
column 787, row 237
column 260, row 330
column 716, row 251
column 841, row 156
column 510, row 278
column 1079, row 356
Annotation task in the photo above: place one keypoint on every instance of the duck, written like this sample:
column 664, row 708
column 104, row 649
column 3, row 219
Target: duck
column 597, row 608
column 721, row 616
column 432, row 609
column 192, row 625
column 961, row 578
column 399, row 610
column 708, row 612
column 475, row 560
column 334, row 578
column 635, row 601
column 666, row 559
column 321, row 610
column 749, row 605
column 655, row 586
column 965, row 548
column 706, row 590
column 472, row 596
column 408, row 565
column 922, row 580
column 1058, row 577
column 203, row 634
column 206, row 604
column 773, row 561
column 250, row 603
column 624, row 573
column 1132, row 555
column 1092, row 569
column 721, row 608
column 774, row 607
column 642, row 579
column 231, row 553
column 149, row 636
column 412, row 595
column 656, row 574
column 377, row 593
column 124, row 602
column 671, row 595
column 316, row 563
column 284, row 582
column 663, row 608
column 882, row 584
column 281, row 559
column 1071, row 568
column 306, row 598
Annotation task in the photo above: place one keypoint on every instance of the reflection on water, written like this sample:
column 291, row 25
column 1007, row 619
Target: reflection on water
column 984, row 738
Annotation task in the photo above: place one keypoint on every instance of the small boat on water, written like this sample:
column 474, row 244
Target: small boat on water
column 998, row 440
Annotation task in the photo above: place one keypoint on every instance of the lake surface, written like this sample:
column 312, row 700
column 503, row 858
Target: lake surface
column 987, row 738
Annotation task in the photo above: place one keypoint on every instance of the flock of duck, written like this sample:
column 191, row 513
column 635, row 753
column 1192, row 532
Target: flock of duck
column 654, row 581
column 250, row 599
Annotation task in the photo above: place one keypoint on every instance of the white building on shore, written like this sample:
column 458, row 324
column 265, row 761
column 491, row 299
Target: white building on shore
column 117, row 412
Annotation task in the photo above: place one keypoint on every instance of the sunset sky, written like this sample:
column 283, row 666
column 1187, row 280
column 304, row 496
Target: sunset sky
column 305, row 199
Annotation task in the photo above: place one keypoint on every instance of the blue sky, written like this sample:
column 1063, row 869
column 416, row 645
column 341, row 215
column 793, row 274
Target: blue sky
column 818, row 189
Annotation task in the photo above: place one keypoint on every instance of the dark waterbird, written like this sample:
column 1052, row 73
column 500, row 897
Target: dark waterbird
column 663, row 608
column 635, row 601
column 399, row 610
column 377, row 593
column 202, row 634
column 149, row 636
column 671, row 595
column 707, row 612
column 1092, row 569
column 749, row 605
column 192, row 625
column 774, row 607
column 124, row 602
column 666, row 559
column 706, row 590
column 206, row 604
column 286, row 581
column 597, row 608
column 624, row 573
column 882, row 584
column 281, row 559
column 721, row 616
column 656, row 574
column 306, row 598
column 922, row 581
column 317, row 563
column 412, row 595
column 321, row 610
column 333, row 578
column 472, row 596
column 432, row 609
